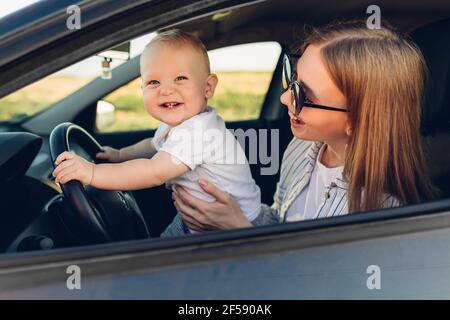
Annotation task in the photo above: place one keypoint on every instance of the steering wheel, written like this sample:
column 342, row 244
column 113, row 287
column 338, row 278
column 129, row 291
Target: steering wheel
column 96, row 215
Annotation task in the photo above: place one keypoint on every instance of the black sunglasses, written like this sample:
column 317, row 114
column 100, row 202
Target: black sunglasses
column 298, row 96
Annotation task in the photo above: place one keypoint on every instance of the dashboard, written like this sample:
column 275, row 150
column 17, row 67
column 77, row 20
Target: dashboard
column 26, row 188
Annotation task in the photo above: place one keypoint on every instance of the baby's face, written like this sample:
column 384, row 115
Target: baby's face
column 175, row 82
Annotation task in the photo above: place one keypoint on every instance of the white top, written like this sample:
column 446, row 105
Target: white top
column 309, row 201
column 212, row 153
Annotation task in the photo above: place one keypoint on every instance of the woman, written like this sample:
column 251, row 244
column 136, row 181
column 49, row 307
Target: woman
column 354, row 105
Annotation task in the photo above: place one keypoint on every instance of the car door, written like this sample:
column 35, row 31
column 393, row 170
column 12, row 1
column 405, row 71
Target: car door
column 397, row 253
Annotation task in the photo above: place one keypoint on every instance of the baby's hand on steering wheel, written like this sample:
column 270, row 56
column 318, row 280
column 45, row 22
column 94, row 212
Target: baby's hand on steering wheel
column 73, row 167
column 110, row 154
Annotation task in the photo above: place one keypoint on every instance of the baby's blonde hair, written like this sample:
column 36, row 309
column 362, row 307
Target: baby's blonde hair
column 180, row 37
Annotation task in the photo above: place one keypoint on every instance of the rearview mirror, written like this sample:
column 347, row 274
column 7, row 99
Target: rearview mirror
column 120, row 52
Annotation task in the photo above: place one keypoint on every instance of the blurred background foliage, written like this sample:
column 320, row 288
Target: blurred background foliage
column 239, row 96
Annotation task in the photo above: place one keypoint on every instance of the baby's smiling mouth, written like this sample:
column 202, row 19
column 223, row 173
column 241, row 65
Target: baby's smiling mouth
column 170, row 105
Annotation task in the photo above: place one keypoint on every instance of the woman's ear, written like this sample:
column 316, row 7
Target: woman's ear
column 211, row 84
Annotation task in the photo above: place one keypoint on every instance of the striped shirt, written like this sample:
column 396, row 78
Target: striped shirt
column 297, row 166
column 310, row 200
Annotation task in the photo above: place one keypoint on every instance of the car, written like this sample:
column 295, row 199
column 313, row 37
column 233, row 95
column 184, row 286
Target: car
column 108, row 241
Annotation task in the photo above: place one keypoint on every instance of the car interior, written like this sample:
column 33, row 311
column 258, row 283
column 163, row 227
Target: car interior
column 36, row 215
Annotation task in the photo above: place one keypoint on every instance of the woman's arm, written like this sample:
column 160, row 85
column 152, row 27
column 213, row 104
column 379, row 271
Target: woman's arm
column 199, row 215
column 224, row 213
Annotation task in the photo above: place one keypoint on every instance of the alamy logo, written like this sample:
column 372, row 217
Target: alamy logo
column 374, row 280
column 200, row 143
column 73, row 21
column 74, row 280
column 374, row 20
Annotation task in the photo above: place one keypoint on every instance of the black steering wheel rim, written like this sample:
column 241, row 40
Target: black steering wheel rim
column 88, row 211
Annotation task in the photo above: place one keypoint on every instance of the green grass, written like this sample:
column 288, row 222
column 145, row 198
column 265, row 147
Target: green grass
column 39, row 95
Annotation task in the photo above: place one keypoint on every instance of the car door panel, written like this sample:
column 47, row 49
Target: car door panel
column 328, row 259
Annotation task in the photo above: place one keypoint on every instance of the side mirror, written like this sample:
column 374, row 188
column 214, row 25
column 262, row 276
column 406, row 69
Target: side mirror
column 105, row 115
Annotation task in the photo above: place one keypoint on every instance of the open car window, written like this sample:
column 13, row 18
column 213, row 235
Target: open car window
column 244, row 73
column 43, row 93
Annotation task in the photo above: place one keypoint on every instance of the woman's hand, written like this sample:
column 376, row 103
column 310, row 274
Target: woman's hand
column 72, row 167
column 199, row 215
column 110, row 154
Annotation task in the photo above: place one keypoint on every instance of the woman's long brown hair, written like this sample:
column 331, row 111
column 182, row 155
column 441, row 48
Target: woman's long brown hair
column 381, row 73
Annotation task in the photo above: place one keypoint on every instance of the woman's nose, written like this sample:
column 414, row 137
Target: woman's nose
column 285, row 98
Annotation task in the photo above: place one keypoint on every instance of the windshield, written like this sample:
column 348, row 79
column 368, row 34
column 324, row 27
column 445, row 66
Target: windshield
column 43, row 93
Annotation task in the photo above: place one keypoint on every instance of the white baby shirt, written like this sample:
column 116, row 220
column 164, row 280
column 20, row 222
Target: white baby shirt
column 212, row 153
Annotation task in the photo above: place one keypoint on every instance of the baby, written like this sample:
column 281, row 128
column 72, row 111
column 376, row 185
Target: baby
column 192, row 142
